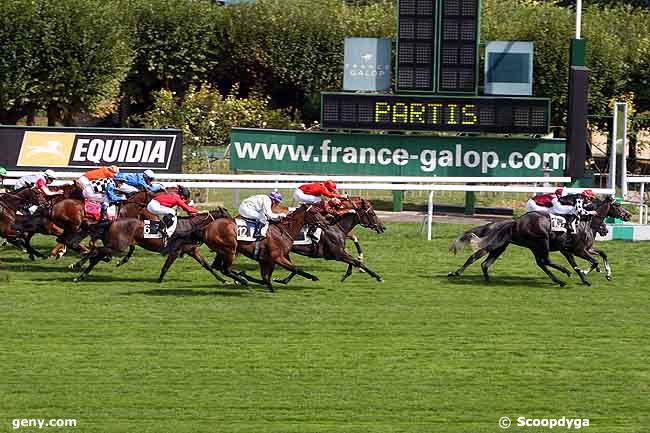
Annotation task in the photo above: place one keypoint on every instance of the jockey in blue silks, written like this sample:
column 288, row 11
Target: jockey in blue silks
column 134, row 182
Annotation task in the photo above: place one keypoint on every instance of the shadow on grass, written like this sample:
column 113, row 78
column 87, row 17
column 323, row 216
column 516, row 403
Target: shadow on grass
column 499, row 280
column 189, row 292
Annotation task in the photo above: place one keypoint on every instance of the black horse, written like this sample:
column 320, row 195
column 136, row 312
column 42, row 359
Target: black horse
column 533, row 231
column 331, row 245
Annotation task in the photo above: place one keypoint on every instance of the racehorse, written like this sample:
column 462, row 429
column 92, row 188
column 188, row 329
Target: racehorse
column 331, row 245
column 533, row 231
column 125, row 233
column 10, row 202
column 221, row 237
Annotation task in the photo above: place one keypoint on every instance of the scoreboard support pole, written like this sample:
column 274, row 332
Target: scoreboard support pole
column 577, row 111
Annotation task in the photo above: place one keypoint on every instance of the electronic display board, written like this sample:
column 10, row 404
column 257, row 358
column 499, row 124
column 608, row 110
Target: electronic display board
column 416, row 38
column 518, row 115
column 458, row 50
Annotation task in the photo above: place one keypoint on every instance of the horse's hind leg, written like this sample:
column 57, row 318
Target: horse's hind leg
column 31, row 250
column 492, row 257
column 471, row 259
column 542, row 260
column 127, row 257
column 194, row 253
column 95, row 256
column 171, row 258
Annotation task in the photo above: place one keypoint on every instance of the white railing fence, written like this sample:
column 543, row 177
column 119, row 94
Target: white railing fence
column 383, row 183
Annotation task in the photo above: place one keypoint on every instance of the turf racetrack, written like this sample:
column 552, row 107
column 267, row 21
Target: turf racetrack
column 418, row 353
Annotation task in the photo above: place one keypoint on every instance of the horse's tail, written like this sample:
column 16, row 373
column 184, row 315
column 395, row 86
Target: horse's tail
column 498, row 235
column 470, row 237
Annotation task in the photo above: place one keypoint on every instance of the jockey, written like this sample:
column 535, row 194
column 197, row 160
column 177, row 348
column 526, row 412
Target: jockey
column 259, row 209
column 134, row 182
column 163, row 206
column 310, row 193
column 85, row 185
column 543, row 202
column 112, row 194
column 41, row 180
column 3, row 174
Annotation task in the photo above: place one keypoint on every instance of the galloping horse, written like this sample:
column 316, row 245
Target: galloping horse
column 533, row 231
column 10, row 202
column 125, row 233
column 221, row 237
column 331, row 245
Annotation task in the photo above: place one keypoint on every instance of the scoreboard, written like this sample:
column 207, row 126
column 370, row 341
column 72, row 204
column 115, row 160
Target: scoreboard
column 519, row 115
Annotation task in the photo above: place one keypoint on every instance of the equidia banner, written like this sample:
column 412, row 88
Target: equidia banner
column 393, row 155
column 25, row 148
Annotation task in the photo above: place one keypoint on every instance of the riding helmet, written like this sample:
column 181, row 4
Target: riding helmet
column 275, row 196
column 588, row 194
column 149, row 174
column 329, row 184
column 51, row 174
column 3, row 171
column 184, row 192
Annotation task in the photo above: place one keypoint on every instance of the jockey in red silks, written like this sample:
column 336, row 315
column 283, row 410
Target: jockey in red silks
column 163, row 205
column 544, row 202
column 312, row 193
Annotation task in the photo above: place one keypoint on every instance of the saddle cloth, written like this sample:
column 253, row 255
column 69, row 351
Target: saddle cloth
column 246, row 229
column 302, row 238
column 558, row 223
column 93, row 210
column 152, row 229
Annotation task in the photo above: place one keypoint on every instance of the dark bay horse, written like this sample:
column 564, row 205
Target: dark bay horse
column 10, row 221
column 331, row 245
column 221, row 237
column 125, row 233
column 533, row 231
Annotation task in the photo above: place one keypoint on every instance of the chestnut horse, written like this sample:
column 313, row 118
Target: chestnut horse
column 10, row 221
column 125, row 233
column 221, row 237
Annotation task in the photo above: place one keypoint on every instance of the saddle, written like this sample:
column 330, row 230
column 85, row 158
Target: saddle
column 246, row 229
column 94, row 210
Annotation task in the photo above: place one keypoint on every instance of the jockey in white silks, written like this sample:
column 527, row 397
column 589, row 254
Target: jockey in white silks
column 258, row 208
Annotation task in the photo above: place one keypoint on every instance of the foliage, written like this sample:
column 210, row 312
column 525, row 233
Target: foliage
column 614, row 37
column 174, row 45
column 68, row 56
column 206, row 117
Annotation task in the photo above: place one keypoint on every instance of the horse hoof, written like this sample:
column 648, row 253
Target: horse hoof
column 453, row 274
column 609, row 278
column 315, row 279
column 77, row 279
column 380, row 280
column 586, row 283
column 32, row 257
column 561, row 283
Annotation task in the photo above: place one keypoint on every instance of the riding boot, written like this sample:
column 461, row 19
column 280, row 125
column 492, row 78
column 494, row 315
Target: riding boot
column 257, row 233
column 103, row 213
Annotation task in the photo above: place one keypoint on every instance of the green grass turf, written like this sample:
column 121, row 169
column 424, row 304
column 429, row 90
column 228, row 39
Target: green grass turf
column 418, row 353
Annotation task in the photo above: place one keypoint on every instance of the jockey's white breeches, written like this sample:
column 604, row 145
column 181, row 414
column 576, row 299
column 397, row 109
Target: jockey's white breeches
column 157, row 209
column 531, row 206
column 128, row 189
column 301, row 197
